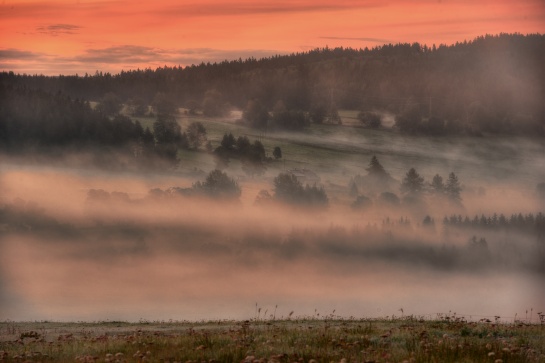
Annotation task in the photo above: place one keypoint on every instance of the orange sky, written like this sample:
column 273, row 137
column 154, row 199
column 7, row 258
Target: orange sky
column 79, row 36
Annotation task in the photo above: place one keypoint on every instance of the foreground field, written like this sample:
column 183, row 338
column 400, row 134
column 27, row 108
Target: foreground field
column 409, row 339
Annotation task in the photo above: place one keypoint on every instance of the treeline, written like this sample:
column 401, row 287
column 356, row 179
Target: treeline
column 516, row 222
column 37, row 122
column 34, row 119
column 492, row 84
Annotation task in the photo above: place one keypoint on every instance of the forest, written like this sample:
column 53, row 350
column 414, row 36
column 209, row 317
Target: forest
column 493, row 84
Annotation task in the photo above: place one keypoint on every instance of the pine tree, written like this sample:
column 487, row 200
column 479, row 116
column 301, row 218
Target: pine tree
column 375, row 168
column 453, row 189
column 413, row 183
column 437, row 184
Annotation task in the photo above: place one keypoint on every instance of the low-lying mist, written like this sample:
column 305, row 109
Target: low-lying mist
column 67, row 256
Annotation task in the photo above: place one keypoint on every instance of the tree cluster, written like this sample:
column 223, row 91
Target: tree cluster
column 413, row 187
column 217, row 185
column 36, row 120
column 288, row 189
column 251, row 154
column 517, row 222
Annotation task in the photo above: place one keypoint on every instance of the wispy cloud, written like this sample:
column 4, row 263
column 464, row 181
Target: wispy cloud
column 375, row 40
column 120, row 54
column 58, row 29
column 248, row 8
column 17, row 54
column 121, row 57
column 125, row 54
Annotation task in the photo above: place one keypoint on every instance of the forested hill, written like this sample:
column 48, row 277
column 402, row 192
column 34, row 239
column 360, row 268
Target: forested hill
column 492, row 84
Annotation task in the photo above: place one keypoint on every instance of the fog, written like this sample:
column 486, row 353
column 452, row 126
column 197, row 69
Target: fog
column 64, row 256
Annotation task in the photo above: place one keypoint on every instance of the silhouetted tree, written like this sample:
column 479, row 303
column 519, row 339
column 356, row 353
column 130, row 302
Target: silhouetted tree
column 376, row 169
column 389, row 198
column 290, row 190
column 263, row 197
column 453, row 189
column 277, row 152
column 196, row 135
column 228, row 142
column 255, row 114
column 218, row 185
column 166, row 130
column 413, row 183
column 214, row 105
column 137, row 107
column 109, row 104
column 437, row 185
column 361, row 202
column 163, row 105
column 370, row 119
column 318, row 113
column 168, row 138
column 252, row 159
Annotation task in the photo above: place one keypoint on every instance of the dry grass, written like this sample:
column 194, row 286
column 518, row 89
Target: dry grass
column 408, row 339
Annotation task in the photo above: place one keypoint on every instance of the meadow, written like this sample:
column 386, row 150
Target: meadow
column 446, row 338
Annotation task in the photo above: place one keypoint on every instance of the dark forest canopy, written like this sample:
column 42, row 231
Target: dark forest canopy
column 492, row 84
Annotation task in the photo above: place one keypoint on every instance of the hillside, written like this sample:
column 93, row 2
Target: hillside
column 493, row 84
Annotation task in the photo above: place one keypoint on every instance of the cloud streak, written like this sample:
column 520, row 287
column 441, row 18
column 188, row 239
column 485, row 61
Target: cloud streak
column 250, row 8
column 363, row 39
column 58, row 29
column 12, row 54
column 127, row 56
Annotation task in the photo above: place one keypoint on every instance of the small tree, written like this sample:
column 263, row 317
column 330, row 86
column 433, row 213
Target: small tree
column 370, row 119
column 228, row 142
column 263, row 197
column 138, row 107
column 413, row 183
column 437, row 185
column 214, row 105
column 376, row 169
column 196, row 135
column 163, row 105
column 166, row 130
column 277, row 152
column 361, row 202
column 110, row 104
column 389, row 198
column 256, row 114
column 453, row 189
column 318, row 113
column 252, row 160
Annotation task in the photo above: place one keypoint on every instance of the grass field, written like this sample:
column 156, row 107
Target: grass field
column 315, row 339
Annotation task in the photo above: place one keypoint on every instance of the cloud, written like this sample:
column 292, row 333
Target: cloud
column 139, row 55
column 248, row 8
column 120, row 54
column 375, row 40
column 113, row 59
column 17, row 54
column 58, row 29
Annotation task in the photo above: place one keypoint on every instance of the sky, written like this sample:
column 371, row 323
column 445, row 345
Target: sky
column 84, row 36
